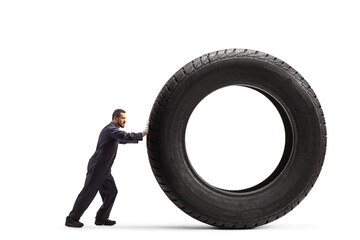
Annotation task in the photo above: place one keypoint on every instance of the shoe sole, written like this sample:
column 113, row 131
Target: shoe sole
column 102, row 224
column 70, row 225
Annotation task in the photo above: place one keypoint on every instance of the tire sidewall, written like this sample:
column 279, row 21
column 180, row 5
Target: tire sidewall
column 291, row 182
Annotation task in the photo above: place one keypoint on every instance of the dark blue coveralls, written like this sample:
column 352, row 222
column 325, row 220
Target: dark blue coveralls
column 98, row 177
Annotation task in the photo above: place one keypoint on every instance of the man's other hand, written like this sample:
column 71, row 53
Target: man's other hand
column 146, row 130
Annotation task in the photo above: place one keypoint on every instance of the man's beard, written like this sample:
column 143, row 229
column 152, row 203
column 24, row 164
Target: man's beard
column 119, row 123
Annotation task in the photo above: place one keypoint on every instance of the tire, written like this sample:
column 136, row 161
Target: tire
column 305, row 141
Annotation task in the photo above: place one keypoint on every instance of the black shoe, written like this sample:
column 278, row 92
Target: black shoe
column 70, row 222
column 106, row 222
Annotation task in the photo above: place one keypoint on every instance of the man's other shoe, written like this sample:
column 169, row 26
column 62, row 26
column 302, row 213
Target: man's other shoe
column 70, row 222
column 107, row 222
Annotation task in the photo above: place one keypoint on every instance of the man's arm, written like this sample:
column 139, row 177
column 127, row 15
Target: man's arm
column 128, row 141
column 131, row 138
column 125, row 137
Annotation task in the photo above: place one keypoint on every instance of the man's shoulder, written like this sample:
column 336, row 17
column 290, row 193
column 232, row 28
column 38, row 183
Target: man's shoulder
column 111, row 125
column 108, row 131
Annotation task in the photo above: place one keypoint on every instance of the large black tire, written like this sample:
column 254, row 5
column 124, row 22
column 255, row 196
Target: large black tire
column 298, row 168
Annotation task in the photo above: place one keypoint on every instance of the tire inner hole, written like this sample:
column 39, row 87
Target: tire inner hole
column 235, row 138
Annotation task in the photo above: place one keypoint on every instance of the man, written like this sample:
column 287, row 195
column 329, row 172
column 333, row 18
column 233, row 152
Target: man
column 98, row 177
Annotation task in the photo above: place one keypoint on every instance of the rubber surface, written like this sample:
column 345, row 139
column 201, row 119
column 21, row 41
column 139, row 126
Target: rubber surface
column 305, row 142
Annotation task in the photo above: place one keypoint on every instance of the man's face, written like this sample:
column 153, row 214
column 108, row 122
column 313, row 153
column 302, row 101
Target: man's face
column 121, row 120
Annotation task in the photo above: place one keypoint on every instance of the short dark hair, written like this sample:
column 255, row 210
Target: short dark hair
column 117, row 113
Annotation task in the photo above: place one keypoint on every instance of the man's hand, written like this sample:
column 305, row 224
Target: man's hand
column 146, row 130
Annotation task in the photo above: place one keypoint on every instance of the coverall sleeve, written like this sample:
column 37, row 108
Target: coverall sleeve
column 128, row 141
column 124, row 137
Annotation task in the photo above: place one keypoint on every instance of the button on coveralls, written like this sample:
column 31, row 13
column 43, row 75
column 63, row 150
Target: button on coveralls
column 98, row 177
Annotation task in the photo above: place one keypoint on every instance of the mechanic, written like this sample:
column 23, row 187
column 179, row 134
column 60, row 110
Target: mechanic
column 98, row 177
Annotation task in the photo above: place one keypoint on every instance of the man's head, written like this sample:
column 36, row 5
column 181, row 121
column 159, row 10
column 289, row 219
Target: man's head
column 119, row 118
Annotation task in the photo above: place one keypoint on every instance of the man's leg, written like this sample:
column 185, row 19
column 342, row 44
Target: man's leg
column 108, row 192
column 86, row 196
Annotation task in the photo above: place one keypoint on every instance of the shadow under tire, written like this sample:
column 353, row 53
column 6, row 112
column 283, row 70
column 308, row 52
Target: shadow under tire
column 305, row 139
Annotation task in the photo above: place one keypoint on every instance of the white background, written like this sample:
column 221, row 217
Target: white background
column 66, row 65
